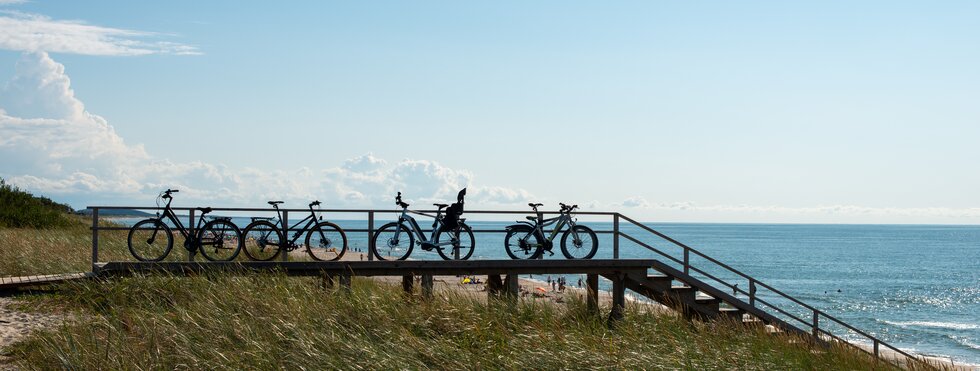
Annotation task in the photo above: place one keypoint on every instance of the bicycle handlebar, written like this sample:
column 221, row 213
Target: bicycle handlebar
column 315, row 203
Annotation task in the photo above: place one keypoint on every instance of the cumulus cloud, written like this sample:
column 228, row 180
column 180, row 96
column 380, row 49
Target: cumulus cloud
column 635, row 201
column 51, row 144
column 38, row 33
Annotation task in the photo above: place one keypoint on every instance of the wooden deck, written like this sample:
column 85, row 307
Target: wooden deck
column 11, row 283
column 388, row 268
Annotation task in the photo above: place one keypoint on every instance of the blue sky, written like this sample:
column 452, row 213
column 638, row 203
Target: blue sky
column 835, row 112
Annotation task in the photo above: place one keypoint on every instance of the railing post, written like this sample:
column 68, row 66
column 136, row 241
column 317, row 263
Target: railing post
column 876, row 349
column 687, row 260
column 752, row 292
column 193, row 236
column 370, row 236
column 616, row 236
column 284, row 256
column 95, row 237
column 816, row 324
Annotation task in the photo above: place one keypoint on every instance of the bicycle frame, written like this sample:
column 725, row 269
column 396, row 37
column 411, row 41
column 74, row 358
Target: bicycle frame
column 415, row 227
column 309, row 220
column 560, row 221
column 169, row 214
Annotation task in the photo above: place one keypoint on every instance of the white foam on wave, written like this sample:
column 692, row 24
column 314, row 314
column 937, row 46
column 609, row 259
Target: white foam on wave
column 946, row 325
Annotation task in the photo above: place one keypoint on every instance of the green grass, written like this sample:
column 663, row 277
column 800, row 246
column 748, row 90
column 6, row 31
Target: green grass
column 20, row 209
column 273, row 321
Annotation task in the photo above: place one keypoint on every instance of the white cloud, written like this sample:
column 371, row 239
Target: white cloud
column 51, row 144
column 635, row 201
column 12, row 2
column 38, row 33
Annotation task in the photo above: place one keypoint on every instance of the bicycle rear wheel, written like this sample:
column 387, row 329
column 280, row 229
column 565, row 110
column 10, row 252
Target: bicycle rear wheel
column 220, row 240
column 261, row 241
column 150, row 240
column 464, row 243
column 523, row 242
column 326, row 242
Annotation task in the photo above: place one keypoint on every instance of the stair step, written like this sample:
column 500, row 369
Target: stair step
column 733, row 313
column 660, row 278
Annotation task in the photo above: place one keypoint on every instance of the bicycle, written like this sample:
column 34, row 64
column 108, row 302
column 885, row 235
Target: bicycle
column 398, row 238
column 527, row 241
column 325, row 241
column 218, row 240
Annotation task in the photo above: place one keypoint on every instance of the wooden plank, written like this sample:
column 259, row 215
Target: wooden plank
column 388, row 268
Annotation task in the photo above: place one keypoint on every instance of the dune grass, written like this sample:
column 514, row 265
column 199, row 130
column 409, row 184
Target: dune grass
column 272, row 321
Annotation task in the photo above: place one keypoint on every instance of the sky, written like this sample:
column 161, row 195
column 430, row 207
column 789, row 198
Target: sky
column 711, row 111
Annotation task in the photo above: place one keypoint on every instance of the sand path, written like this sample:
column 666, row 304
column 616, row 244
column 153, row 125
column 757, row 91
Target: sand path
column 15, row 325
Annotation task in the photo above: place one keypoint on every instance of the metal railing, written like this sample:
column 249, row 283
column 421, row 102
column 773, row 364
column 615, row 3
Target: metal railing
column 813, row 324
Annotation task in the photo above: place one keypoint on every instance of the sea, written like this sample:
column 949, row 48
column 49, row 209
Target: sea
column 916, row 287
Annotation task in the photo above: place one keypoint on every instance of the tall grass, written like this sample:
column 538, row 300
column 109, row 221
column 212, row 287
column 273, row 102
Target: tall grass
column 272, row 321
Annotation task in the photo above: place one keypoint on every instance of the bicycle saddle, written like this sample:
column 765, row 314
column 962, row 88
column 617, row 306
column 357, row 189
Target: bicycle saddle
column 274, row 202
column 440, row 206
column 534, row 204
column 255, row 218
column 205, row 210
column 532, row 218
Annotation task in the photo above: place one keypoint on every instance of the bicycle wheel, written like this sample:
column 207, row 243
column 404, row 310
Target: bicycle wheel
column 583, row 247
column 220, row 240
column 464, row 243
column 326, row 242
column 261, row 241
column 516, row 249
column 150, row 240
column 387, row 247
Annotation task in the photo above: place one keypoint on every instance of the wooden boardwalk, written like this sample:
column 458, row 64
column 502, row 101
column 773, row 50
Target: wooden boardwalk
column 12, row 283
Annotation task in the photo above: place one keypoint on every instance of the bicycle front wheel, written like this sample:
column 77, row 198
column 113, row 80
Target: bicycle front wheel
column 522, row 242
column 582, row 245
column 150, row 240
column 261, row 241
column 326, row 242
column 463, row 243
column 392, row 241
column 220, row 240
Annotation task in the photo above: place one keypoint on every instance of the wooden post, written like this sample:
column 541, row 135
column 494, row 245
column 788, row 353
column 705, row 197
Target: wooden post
column 193, row 236
column 370, row 235
column 95, row 237
column 345, row 282
column 427, row 286
column 616, row 236
column 284, row 256
column 592, row 292
column 687, row 261
column 326, row 281
column 407, row 282
column 752, row 292
column 618, row 299
column 494, row 285
column 512, row 287
column 816, row 325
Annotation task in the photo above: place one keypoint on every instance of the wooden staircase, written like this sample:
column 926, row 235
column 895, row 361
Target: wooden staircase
column 696, row 299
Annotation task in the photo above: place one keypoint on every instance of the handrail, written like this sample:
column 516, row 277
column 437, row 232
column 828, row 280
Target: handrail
column 754, row 297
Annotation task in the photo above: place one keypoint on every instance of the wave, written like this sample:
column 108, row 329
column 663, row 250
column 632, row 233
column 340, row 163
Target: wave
column 968, row 344
column 945, row 325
